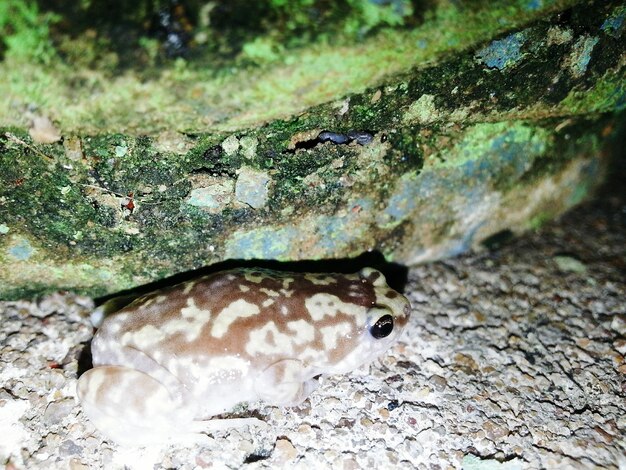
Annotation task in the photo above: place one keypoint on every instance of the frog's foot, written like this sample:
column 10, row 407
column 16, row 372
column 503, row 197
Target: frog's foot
column 283, row 383
column 130, row 407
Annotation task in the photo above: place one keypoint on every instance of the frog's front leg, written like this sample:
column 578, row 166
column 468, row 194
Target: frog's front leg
column 285, row 383
column 132, row 408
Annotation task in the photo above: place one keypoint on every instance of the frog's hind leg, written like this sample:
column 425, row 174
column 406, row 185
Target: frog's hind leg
column 131, row 407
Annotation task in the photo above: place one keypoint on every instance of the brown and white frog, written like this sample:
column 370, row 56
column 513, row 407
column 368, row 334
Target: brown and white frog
column 167, row 362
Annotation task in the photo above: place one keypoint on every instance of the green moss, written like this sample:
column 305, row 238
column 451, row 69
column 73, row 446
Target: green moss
column 366, row 16
column 539, row 220
column 262, row 50
column 422, row 111
column 496, row 140
column 186, row 97
column 24, row 30
column 606, row 94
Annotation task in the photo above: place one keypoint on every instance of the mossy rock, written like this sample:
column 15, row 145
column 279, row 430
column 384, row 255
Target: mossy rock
column 418, row 137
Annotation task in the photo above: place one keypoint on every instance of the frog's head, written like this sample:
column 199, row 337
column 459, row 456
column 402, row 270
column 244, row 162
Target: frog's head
column 372, row 318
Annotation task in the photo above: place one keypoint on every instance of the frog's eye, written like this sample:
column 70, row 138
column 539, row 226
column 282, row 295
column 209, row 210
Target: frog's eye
column 383, row 327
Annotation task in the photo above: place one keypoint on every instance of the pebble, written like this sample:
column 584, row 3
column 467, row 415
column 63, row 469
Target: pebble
column 68, row 448
column 570, row 264
column 58, row 410
column 438, row 382
column 252, row 187
column 285, row 451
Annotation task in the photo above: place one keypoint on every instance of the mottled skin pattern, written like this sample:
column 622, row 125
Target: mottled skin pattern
column 179, row 355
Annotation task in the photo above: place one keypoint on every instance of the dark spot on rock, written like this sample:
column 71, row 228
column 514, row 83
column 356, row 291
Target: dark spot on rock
column 345, row 423
column 392, row 405
column 497, row 240
column 361, row 137
column 257, row 457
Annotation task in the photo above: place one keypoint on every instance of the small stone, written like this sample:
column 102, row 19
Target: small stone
column 422, row 111
column 438, row 382
column 285, row 451
column 411, row 447
column 277, row 414
column 69, row 447
column 230, row 145
column 121, row 150
column 568, row 264
column 331, row 455
column 331, row 403
column 246, row 446
column 213, row 199
column 73, row 148
column 4, row 229
column 21, row 249
column 366, row 422
column 618, row 324
column 252, row 187
column 493, row 431
column 376, row 97
column 76, row 464
column 52, row 440
column 350, row 463
column 57, row 410
column 345, row 423
column 305, row 429
column 620, row 346
column 467, row 361
column 42, row 131
column 248, row 146
column 172, row 141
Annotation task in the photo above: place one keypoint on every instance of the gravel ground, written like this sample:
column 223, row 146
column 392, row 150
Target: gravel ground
column 514, row 359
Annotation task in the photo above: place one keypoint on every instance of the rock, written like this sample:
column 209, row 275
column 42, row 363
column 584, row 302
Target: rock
column 252, row 187
column 285, row 451
column 56, row 411
column 42, row 131
column 570, row 264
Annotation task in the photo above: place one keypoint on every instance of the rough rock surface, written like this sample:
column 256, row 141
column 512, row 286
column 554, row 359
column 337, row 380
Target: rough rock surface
column 418, row 143
column 513, row 356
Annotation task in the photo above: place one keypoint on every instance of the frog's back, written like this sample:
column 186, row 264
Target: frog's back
column 247, row 313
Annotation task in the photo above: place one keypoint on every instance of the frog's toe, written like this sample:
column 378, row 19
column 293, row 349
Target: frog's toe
column 129, row 406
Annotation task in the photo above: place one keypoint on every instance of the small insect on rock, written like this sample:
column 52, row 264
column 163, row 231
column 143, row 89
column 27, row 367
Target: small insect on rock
column 171, row 359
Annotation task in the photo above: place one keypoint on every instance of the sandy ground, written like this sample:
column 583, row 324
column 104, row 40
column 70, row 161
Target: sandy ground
column 513, row 358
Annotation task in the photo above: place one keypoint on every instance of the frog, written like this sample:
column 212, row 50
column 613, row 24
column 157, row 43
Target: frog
column 171, row 360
